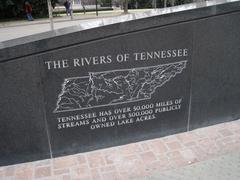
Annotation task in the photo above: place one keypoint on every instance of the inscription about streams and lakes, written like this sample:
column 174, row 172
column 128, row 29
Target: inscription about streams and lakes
column 119, row 116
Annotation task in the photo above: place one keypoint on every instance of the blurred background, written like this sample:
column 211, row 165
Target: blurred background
column 14, row 9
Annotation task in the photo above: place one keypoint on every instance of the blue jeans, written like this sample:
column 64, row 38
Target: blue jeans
column 29, row 17
column 68, row 11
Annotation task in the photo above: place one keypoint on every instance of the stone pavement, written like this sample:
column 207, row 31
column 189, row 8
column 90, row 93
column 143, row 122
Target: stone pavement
column 199, row 154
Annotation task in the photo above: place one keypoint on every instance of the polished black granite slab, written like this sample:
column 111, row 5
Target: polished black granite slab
column 131, row 75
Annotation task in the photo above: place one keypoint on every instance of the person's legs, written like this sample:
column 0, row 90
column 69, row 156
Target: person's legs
column 68, row 11
column 28, row 17
column 31, row 17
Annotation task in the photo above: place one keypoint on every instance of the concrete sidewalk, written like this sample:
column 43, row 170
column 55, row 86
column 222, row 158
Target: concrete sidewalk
column 64, row 18
column 210, row 153
column 16, row 29
column 225, row 167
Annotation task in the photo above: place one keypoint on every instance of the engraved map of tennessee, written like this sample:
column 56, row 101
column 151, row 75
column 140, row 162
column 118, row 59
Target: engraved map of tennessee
column 115, row 87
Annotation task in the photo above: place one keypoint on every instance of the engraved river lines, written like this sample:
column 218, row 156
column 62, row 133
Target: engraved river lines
column 115, row 87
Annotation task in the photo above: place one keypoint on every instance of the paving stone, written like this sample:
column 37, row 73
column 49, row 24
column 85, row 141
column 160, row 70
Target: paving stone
column 68, row 161
column 148, row 157
column 158, row 146
column 174, row 145
column 95, row 160
column 41, row 172
column 10, row 171
column 225, row 132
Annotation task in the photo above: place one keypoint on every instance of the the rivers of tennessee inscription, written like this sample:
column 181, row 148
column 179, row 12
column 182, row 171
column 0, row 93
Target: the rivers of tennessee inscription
column 103, row 100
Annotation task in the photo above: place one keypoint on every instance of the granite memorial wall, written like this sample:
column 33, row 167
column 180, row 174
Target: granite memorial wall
column 84, row 90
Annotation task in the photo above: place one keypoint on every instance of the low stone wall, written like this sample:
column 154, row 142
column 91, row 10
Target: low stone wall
column 76, row 90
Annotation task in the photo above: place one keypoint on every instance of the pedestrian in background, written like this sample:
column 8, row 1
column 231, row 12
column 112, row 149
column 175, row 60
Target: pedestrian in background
column 67, row 5
column 28, row 10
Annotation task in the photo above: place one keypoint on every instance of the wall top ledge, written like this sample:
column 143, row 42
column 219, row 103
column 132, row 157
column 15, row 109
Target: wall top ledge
column 108, row 27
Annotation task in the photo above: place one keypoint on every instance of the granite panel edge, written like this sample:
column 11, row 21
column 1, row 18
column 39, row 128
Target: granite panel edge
column 215, row 90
